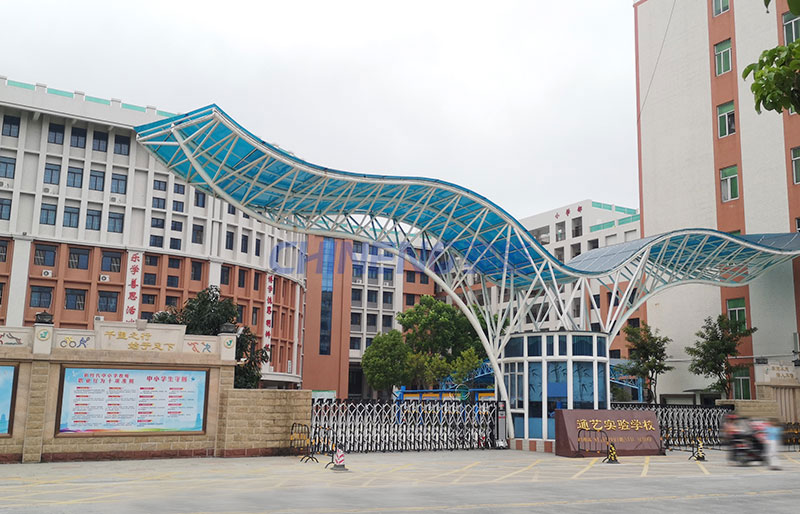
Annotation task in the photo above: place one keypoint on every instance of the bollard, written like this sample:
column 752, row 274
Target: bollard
column 611, row 454
column 697, row 451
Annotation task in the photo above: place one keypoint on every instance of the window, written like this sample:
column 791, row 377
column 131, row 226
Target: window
column 369, row 341
column 722, row 56
column 245, row 243
column 256, row 281
column 149, row 279
column 197, row 270
column 729, row 183
column 355, row 319
column 726, row 118
column 172, row 281
column 97, row 180
column 614, row 354
column 229, row 240
column 11, row 126
column 387, row 321
column 3, row 251
column 372, row 321
column 388, row 274
column 796, row 164
column 122, row 145
column 151, row 260
column 43, row 255
column 100, row 141
column 111, row 261
column 93, row 219
column 171, row 301
column 372, row 273
column 177, row 206
column 242, row 278
column 78, row 258
column 372, row 296
column 116, row 222
column 41, row 296
column 174, row 263
column 7, row 166
column 355, row 295
column 741, row 384
column 119, row 183
column 239, row 313
column 721, row 6
column 78, row 137
column 197, row 234
column 159, row 185
column 231, row 209
column 409, row 299
column 245, row 216
column 147, row 316
column 179, row 189
column 55, row 134
column 48, row 214
column 157, row 222
column 355, row 342
column 736, row 312
column 71, row 216
column 254, row 319
column 633, row 322
column 2, row 287
column 157, row 241
column 199, row 199
column 388, row 298
column 75, row 299
column 225, row 275
column 423, row 278
column 791, row 27
column 258, row 247
column 175, row 243
column 52, row 174
column 74, row 177
column 358, row 247
column 177, row 226
column 149, row 299
column 411, row 276
column 159, row 203
column 358, row 271
column 373, row 250
column 5, row 209
column 107, row 301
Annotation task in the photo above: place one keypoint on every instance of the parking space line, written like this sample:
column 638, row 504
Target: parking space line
column 452, row 471
column 703, row 468
column 584, row 470
column 517, row 471
column 646, row 465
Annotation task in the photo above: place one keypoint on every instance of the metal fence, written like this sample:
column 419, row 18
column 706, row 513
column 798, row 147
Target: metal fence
column 683, row 425
column 374, row 426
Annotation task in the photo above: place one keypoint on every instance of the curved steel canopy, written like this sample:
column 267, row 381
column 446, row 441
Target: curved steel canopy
column 211, row 151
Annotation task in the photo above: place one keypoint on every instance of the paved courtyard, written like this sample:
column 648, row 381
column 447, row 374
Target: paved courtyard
column 476, row 481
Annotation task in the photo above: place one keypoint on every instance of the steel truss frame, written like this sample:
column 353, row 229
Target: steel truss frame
column 473, row 267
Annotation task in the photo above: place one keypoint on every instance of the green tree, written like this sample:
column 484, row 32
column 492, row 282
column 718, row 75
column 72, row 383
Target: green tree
column 436, row 327
column 647, row 355
column 425, row 370
column 465, row 365
column 386, row 360
column 205, row 314
column 776, row 74
column 718, row 343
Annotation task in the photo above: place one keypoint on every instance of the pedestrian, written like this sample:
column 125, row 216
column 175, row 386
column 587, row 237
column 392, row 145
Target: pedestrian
column 774, row 434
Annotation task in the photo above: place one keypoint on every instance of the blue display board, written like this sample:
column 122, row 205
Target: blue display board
column 6, row 397
column 108, row 400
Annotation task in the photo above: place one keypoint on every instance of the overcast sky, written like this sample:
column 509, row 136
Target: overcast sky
column 529, row 103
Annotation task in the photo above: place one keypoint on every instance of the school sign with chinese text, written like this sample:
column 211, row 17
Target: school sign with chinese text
column 583, row 433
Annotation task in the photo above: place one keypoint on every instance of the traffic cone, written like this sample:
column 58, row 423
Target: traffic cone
column 338, row 460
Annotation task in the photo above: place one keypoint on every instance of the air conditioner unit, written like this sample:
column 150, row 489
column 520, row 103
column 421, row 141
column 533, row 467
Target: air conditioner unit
column 50, row 190
column 112, row 199
column 99, row 318
column 47, row 273
column 105, row 278
column 3, row 184
column 388, row 284
column 358, row 281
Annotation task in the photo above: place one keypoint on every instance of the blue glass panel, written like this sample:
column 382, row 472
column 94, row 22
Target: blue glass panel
column 514, row 347
column 582, row 385
column 549, row 345
column 556, row 393
column 535, row 399
column 519, row 425
column 601, row 346
column 562, row 345
column 601, row 385
column 582, row 345
column 534, row 346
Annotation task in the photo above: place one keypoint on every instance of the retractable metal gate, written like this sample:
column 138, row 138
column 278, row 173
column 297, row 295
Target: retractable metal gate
column 374, row 426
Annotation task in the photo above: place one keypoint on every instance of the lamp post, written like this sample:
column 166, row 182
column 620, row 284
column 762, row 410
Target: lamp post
column 228, row 328
column 44, row 318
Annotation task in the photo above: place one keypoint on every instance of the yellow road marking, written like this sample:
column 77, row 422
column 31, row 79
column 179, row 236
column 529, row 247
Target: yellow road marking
column 584, row 470
column 703, row 468
column 793, row 460
column 646, row 465
column 517, row 471
column 452, row 471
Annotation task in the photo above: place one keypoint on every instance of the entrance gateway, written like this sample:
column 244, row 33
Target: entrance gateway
column 474, row 251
